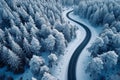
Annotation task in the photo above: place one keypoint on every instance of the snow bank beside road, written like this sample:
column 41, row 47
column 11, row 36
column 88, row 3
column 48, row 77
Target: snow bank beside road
column 84, row 56
column 60, row 70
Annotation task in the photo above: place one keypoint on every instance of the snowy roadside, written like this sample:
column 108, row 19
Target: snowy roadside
column 60, row 70
column 84, row 56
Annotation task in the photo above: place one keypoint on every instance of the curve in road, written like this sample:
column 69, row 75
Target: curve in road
column 76, row 54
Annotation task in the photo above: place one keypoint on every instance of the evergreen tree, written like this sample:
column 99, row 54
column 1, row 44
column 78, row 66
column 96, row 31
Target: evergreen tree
column 35, row 63
column 35, row 46
column 60, row 42
column 95, row 68
column 45, row 31
column 48, row 76
column 13, row 61
column 49, row 43
column 26, row 47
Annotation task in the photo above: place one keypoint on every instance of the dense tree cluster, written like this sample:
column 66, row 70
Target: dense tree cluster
column 103, row 66
column 39, row 69
column 37, row 66
column 105, row 50
column 70, row 2
column 107, row 47
column 29, row 28
column 99, row 12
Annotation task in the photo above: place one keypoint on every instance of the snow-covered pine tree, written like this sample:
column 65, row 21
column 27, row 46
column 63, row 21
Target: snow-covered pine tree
column 24, row 31
column 33, row 31
column 117, row 26
column 69, row 2
column 12, row 4
column 95, row 68
column 95, row 48
column 26, row 48
column 58, row 26
column 2, row 35
column 4, row 55
column 67, row 32
column 44, row 69
column 16, row 19
column 49, row 43
column 109, row 18
column 45, row 31
column 52, row 59
column 16, row 48
column 33, row 78
column 31, row 10
column 48, row 76
column 13, row 61
column 16, row 33
column 35, row 64
column 109, row 59
column 39, row 20
column 35, row 46
column 23, row 14
column 60, row 42
column 116, row 42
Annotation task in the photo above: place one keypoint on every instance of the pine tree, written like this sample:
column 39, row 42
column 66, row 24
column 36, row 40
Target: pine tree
column 26, row 47
column 45, row 31
column 31, row 10
column 4, row 54
column 44, row 69
column 13, row 61
column 39, row 20
column 109, row 18
column 2, row 35
column 49, row 43
column 109, row 59
column 24, row 31
column 35, row 46
column 48, row 76
column 67, row 32
column 35, row 63
column 60, row 42
column 52, row 59
column 95, row 68
column 15, row 31
column 23, row 14
column 12, row 3
column 95, row 48
column 17, row 49
column 34, row 31
column 17, row 19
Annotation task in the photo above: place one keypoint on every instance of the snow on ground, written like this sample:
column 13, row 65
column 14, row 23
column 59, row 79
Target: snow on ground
column 84, row 56
column 25, row 76
column 60, row 70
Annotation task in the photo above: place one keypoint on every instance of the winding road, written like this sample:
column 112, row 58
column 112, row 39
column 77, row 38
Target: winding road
column 76, row 54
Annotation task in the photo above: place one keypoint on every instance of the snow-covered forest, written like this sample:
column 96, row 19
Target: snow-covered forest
column 34, row 34
column 29, row 30
column 105, row 50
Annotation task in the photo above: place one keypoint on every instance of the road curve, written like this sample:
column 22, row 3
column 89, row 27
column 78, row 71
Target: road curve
column 76, row 54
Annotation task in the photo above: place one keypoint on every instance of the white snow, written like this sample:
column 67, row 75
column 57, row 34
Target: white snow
column 84, row 56
column 60, row 70
column 26, row 75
